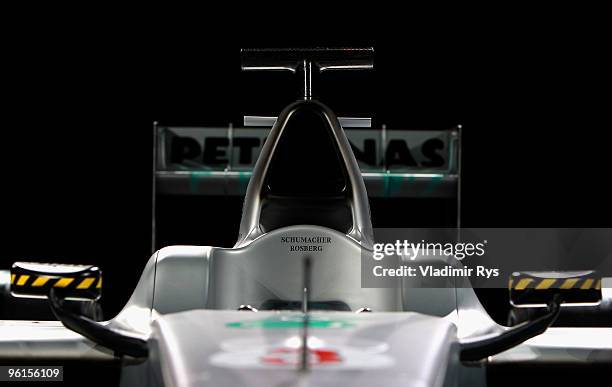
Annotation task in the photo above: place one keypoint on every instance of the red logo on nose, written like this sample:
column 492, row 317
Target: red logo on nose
column 289, row 356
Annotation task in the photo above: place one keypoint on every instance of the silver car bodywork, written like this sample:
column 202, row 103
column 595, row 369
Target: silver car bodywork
column 186, row 299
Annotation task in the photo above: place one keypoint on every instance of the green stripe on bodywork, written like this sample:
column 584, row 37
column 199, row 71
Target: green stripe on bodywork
column 243, row 181
column 433, row 183
column 285, row 322
column 194, row 181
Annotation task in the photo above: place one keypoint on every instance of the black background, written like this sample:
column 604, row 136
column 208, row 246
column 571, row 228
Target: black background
column 80, row 99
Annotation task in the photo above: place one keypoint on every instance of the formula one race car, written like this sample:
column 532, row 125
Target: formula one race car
column 285, row 306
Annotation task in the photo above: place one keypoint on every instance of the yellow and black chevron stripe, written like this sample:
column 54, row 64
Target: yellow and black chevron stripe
column 539, row 288
column 80, row 283
column 56, row 282
column 552, row 283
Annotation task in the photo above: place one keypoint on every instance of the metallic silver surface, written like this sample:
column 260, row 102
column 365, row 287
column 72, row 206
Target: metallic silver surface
column 265, row 269
column 391, row 349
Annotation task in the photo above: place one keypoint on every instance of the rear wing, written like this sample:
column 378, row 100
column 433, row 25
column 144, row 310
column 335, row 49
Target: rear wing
column 202, row 162
column 211, row 161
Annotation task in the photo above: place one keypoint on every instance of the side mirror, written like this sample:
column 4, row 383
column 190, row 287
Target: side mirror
column 62, row 284
column 70, row 282
column 534, row 290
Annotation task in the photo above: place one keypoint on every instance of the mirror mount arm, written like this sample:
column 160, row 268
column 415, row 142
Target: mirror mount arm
column 477, row 350
column 99, row 334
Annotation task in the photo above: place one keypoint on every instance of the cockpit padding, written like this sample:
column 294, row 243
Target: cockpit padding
column 332, row 212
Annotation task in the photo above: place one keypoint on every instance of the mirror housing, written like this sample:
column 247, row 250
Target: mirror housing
column 71, row 282
column 533, row 289
column 62, row 284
